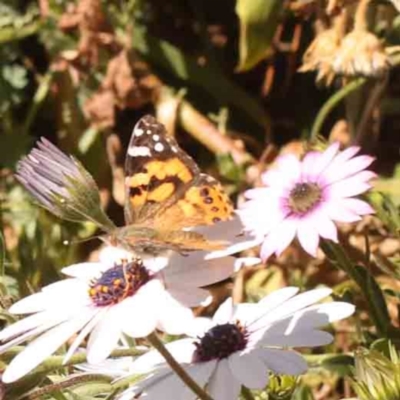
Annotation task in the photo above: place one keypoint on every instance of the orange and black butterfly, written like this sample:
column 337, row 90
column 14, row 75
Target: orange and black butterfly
column 166, row 194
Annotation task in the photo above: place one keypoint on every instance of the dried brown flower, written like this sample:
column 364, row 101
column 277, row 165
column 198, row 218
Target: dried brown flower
column 320, row 54
column 361, row 53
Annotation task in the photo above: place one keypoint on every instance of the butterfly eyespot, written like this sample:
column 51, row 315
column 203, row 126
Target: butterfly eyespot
column 208, row 200
column 216, row 219
column 216, row 209
column 204, row 192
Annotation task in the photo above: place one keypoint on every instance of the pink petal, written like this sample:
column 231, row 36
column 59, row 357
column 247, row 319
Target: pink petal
column 309, row 173
column 357, row 206
column 326, row 158
column 338, row 213
column 324, row 225
column 279, row 238
column 346, row 188
column 286, row 174
column 335, row 173
column 308, row 236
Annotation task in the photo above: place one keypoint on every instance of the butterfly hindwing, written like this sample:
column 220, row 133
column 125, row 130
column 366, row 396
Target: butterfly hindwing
column 203, row 203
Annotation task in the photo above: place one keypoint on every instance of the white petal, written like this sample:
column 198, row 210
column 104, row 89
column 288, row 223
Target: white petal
column 97, row 315
column 241, row 262
column 249, row 369
column 198, row 327
column 197, row 271
column 31, row 322
column 105, row 336
column 182, row 350
column 188, row 295
column 224, row 313
column 111, row 255
column 173, row 317
column 232, row 232
column 308, row 236
column 222, row 384
column 265, row 305
column 276, row 336
column 143, row 309
column 85, row 271
column 43, row 347
column 291, row 306
column 172, row 387
column 30, row 304
column 285, row 362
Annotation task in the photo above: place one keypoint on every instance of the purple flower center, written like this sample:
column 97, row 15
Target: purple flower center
column 119, row 282
column 304, row 197
column 220, row 342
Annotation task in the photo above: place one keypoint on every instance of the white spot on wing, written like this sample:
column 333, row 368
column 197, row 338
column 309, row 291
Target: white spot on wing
column 159, row 147
column 174, row 149
column 139, row 151
column 156, row 138
column 138, row 132
column 148, row 131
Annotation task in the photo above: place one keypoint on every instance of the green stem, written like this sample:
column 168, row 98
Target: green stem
column 331, row 103
column 365, row 281
column 38, row 99
column 55, row 362
column 183, row 375
column 67, row 383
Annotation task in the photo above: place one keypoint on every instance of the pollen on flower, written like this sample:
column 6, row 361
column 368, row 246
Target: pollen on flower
column 220, row 342
column 304, row 197
column 119, row 282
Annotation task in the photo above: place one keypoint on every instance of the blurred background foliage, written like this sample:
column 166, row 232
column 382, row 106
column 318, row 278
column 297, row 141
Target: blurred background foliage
column 223, row 76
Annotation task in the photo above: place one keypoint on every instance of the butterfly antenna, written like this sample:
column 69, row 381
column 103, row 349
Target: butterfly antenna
column 79, row 241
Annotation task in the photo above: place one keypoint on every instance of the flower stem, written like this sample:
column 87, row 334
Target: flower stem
column 55, row 362
column 331, row 103
column 100, row 379
column 366, row 282
column 360, row 18
column 159, row 345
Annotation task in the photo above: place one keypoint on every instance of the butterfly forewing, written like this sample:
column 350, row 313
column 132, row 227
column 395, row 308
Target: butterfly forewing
column 157, row 171
column 165, row 192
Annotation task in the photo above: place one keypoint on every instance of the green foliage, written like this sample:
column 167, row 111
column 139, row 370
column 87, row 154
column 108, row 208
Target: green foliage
column 258, row 22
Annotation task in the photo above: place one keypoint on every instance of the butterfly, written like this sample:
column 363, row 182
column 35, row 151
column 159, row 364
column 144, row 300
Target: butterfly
column 166, row 194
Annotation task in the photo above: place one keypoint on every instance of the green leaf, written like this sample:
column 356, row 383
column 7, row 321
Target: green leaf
column 229, row 169
column 341, row 364
column 258, row 22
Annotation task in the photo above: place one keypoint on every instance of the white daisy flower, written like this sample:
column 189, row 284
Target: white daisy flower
column 240, row 346
column 119, row 294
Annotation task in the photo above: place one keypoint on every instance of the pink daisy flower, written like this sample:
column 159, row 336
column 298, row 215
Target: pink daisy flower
column 303, row 199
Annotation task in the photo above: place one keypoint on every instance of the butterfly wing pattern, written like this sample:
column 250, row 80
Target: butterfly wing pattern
column 166, row 193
